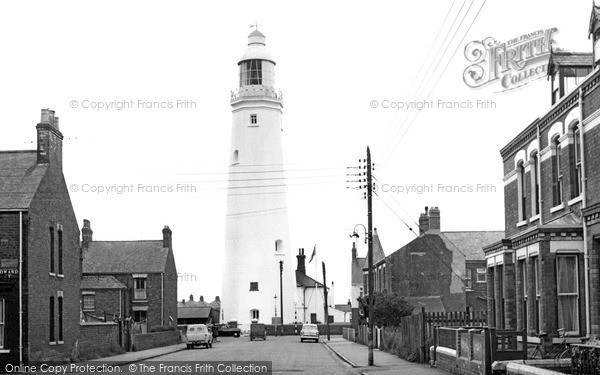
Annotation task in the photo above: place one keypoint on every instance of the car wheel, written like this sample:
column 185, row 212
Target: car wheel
column 317, row 340
column 301, row 340
column 251, row 338
column 189, row 346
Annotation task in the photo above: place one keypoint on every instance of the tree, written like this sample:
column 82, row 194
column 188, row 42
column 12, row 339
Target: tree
column 389, row 308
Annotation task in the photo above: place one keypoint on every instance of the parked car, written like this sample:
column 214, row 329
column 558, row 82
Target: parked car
column 228, row 330
column 198, row 334
column 258, row 330
column 309, row 332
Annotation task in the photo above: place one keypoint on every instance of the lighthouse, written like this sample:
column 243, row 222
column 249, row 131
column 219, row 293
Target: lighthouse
column 259, row 270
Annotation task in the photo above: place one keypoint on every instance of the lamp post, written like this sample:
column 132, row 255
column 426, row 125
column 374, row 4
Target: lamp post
column 281, row 293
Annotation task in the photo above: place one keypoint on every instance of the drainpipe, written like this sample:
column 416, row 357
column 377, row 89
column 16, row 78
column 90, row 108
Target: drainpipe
column 162, row 302
column 586, row 255
column 21, row 288
column 539, row 174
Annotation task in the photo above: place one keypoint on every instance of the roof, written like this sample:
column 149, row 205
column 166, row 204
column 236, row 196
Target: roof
column 567, row 58
column 303, row 280
column 101, row 282
column 190, row 303
column 594, row 19
column 378, row 254
column 357, row 270
column 20, row 177
column 216, row 304
column 344, row 307
column 125, row 257
column 471, row 243
column 193, row 312
column 431, row 303
column 256, row 48
column 565, row 221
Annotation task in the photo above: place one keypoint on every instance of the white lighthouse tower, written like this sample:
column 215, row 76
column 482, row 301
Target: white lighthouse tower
column 257, row 230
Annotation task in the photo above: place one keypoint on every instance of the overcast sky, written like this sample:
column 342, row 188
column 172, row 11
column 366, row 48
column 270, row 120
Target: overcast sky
column 333, row 60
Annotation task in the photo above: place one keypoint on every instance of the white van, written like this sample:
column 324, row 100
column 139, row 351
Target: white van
column 198, row 334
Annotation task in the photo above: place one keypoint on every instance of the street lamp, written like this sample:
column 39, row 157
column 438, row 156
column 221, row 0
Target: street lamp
column 275, row 297
column 354, row 234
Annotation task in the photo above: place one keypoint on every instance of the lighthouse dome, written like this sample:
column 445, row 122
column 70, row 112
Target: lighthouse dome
column 256, row 48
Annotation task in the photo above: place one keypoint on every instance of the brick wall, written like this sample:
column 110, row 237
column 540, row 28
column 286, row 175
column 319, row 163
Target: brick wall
column 476, row 298
column 9, row 284
column 155, row 340
column 52, row 206
column 170, row 290
column 97, row 340
column 592, row 170
column 109, row 301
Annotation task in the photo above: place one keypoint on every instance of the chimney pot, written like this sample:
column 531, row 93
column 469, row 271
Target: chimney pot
column 202, row 298
column 191, row 297
column 301, row 262
column 217, row 298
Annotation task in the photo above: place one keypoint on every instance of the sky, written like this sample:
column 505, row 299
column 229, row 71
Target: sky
column 164, row 71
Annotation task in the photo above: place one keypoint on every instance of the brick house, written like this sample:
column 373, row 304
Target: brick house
column 146, row 269
column 544, row 275
column 441, row 270
column 39, row 253
column 103, row 298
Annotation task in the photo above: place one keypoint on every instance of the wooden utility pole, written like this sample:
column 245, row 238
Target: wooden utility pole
column 325, row 293
column 370, row 253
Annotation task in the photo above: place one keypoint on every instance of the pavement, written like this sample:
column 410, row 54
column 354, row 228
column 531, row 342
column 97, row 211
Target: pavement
column 142, row 355
column 356, row 355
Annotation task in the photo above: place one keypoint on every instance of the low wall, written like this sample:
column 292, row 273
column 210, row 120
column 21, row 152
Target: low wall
column 513, row 368
column 98, row 340
column 154, row 340
column 292, row 329
column 447, row 360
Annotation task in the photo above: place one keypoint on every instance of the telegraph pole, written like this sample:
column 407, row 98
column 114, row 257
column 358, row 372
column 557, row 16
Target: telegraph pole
column 325, row 293
column 370, row 252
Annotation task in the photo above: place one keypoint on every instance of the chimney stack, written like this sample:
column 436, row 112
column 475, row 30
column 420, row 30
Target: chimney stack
column 353, row 250
column 201, row 298
column 424, row 223
column 434, row 218
column 86, row 233
column 49, row 140
column 217, row 298
column 301, row 261
column 167, row 234
column 191, row 297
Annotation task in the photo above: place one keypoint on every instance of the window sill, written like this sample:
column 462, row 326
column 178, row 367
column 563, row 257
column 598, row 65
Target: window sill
column 253, row 126
column 557, row 208
column 4, row 351
column 577, row 199
column 534, row 218
column 52, row 274
column 522, row 223
column 279, row 253
column 140, row 300
column 60, row 276
column 60, row 343
column 52, row 343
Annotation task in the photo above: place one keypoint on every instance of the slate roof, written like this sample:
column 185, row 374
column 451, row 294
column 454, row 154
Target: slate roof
column 101, row 282
column 216, row 304
column 471, row 243
column 125, row 257
column 567, row 58
column 20, row 177
column 304, row 280
column 378, row 254
column 193, row 312
column 357, row 270
column 431, row 303
column 191, row 303
column 344, row 307
column 564, row 221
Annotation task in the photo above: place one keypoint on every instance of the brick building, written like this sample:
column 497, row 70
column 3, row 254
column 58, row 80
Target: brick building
column 439, row 270
column 103, row 298
column 146, row 269
column 40, row 270
column 544, row 275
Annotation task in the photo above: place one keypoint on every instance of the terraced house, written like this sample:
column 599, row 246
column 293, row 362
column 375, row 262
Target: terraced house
column 40, row 270
column 544, row 275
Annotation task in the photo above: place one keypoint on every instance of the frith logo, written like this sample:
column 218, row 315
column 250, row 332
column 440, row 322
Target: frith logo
column 513, row 64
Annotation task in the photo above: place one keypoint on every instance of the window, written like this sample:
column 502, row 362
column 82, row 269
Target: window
column 60, row 319
column 535, row 185
column 251, row 73
column 236, row 157
column 555, row 87
column 60, row 251
column 89, row 302
column 525, row 284
column 139, row 288
column 469, row 279
column 557, row 174
column 51, row 250
column 253, row 286
column 254, row 314
column 568, row 294
column 278, row 246
column 2, row 322
column 481, row 275
column 521, row 191
column 51, row 320
column 253, row 120
column 577, row 160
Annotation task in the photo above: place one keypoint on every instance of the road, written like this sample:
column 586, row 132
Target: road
column 288, row 354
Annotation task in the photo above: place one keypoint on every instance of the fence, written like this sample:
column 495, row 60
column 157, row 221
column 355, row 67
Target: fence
column 585, row 359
